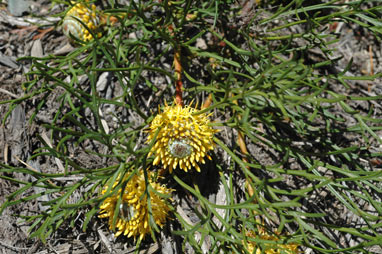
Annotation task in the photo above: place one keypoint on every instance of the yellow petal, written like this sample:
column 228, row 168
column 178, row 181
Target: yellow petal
column 156, row 160
column 175, row 163
column 130, row 234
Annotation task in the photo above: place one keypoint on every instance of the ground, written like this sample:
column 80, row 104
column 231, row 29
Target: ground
column 18, row 137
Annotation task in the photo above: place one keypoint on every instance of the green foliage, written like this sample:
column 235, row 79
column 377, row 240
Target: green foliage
column 257, row 67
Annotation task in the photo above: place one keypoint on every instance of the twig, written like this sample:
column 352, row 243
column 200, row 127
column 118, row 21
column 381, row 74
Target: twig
column 11, row 247
column 14, row 21
column 244, row 151
column 103, row 121
column 371, row 67
column 42, row 33
column 105, row 241
column 9, row 93
column 57, row 160
column 31, row 168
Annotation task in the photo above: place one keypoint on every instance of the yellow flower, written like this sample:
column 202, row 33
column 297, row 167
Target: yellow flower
column 71, row 25
column 133, row 213
column 184, row 137
column 268, row 248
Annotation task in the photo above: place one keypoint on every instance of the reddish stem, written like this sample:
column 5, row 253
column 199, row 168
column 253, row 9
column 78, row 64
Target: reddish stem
column 178, row 93
column 178, row 75
column 208, row 102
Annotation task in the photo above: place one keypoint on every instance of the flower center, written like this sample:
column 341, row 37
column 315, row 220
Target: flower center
column 179, row 148
column 126, row 212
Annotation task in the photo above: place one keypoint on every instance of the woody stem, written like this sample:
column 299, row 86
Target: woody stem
column 178, row 76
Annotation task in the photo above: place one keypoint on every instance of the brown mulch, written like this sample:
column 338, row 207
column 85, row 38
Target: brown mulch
column 19, row 38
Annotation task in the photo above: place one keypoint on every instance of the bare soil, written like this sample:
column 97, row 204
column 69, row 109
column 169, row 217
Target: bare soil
column 18, row 137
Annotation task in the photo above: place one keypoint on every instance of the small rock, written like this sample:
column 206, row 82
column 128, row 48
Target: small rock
column 201, row 43
column 103, row 80
column 18, row 7
column 133, row 36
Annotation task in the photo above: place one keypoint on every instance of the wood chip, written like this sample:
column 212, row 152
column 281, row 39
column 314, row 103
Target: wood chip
column 105, row 241
column 103, row 81
column 37, row 50
column 67, row 48
column 8, row 61
column 74, row 247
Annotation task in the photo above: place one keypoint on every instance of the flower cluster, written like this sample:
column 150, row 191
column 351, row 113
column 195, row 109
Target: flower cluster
column 133, row 212
column 184, row 137
column 251, row 247
column 88, row 16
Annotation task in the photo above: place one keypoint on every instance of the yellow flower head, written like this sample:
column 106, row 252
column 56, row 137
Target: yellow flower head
column 184, row 137
column 133, row 211
column 71, row 25
column 268, row 248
